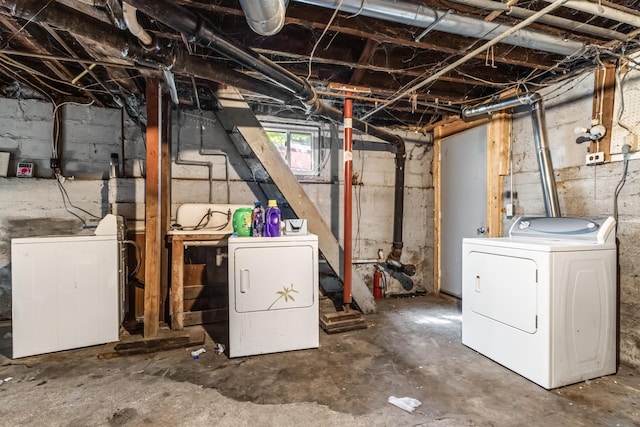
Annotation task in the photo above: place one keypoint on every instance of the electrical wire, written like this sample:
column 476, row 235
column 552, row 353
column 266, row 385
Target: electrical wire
column 66, row 200
column 625, row 169
column 204, row 222
column 315, row 46
column 138, row 256
column 56, row 125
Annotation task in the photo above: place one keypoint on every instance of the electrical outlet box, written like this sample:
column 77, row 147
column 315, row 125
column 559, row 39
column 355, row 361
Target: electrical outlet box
column 632, row 141
column 509, row 210
column 595, row 158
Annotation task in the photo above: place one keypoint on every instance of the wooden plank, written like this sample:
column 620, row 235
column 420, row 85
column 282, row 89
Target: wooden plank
column 205, row 316
column 194, row 292
column 437, row 195
column 177, row 284
column 603, row 102
column 239, row 113
column 145, row 346
column 498, row 140
column 152, row 211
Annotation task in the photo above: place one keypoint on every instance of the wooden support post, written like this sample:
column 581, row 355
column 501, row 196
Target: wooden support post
column 498, row 140
column 165, row 203
column 603, row 100
column 152, row 212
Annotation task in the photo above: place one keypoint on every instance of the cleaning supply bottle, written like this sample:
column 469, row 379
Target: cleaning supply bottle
column 242, row 222
column 272, row 220
column 257, row 229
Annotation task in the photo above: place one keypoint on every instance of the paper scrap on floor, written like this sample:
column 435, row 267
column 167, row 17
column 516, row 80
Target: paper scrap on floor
column 409, row 404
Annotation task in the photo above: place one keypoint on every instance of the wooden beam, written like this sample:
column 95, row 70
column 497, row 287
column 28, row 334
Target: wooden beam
column 240, row 115
column 152, row 211
column 365, row 60
column 445, row 43
column 603, row 100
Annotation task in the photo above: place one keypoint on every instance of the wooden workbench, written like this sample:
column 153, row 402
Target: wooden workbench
column 179, row 240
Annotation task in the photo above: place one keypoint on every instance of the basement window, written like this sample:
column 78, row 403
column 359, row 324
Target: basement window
column 298, row 146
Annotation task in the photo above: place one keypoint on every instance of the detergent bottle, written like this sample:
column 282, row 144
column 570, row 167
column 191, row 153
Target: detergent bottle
column 242, row 222
column 272, row 220
column 257, row 229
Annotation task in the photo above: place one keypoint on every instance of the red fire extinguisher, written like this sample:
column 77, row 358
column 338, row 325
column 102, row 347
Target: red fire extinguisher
column 378, row 290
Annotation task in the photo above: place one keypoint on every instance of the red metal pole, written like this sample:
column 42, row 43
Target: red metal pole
column 348, row 165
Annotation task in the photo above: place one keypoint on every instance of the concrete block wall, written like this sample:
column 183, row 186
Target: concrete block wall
column 32, row 207
column 584, row 191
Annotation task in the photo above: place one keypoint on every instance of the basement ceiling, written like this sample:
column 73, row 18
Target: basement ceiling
column 419, row 61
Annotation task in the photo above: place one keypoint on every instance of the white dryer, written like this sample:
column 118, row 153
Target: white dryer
column 542, row 302
column 273, row 294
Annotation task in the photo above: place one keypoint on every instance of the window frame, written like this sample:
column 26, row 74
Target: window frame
column 288, row 129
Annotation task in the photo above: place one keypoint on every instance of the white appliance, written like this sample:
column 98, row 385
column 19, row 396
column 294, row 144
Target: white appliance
column 66, row 290
column 542, row 302
column 273, row 294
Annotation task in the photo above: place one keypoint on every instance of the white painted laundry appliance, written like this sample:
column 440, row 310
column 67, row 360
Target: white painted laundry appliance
column 542, row 302
column 273, row 294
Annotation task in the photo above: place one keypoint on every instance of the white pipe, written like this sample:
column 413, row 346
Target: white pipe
column 421, row 16
column 556, row 21
column 603, row 11
column 265, row 17
column 556, row 4
column 135, row 28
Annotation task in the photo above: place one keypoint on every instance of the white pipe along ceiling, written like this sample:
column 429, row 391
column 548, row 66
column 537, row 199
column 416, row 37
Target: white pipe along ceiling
column 603, row 11
column 420, row 16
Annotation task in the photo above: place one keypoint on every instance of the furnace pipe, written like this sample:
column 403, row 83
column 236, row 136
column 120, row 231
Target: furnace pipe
column 200, row 30
column 545, row 165
column 418, row 15
column 265, row 17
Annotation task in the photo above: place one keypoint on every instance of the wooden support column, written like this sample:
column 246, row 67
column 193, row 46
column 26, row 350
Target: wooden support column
column 498, row 143
column 152, row 211
column 165, row 203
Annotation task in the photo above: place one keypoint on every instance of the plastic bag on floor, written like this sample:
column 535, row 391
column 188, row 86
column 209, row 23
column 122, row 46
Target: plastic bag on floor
column 409, row 404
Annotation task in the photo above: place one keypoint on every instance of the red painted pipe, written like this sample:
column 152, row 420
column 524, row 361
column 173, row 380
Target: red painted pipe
column 348, row 165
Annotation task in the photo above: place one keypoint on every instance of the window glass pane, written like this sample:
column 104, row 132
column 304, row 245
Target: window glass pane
column 301, row 151
column 279, row 138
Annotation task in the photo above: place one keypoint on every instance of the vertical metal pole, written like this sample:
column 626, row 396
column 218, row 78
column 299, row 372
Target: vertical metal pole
column 348, row 165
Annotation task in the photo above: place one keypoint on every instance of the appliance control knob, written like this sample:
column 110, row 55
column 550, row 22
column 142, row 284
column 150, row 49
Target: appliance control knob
column 524, row 224
column 591, row 226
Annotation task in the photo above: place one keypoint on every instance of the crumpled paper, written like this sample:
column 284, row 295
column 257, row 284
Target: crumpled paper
column 408, row 404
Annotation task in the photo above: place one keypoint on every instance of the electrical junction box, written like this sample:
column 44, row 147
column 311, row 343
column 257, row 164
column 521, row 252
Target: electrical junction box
column 25, row 170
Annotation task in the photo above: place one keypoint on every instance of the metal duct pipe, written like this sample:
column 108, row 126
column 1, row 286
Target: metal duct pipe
column 265, row 17
column 200, row 30
column 603, row 11
column 547, row 179
column 136, row 29
column 556, row 21
column 420, row 16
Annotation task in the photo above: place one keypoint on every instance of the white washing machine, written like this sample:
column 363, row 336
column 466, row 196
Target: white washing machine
column 542, row 302
column 273, row 294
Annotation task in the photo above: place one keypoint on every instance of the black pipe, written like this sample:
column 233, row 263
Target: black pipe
column 203, row 32
column 184, row 21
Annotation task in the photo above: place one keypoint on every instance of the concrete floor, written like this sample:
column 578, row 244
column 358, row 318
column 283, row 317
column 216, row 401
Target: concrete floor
column 411, row 348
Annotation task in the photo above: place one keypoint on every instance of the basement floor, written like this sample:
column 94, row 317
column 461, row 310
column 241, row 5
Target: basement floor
column 411, row 348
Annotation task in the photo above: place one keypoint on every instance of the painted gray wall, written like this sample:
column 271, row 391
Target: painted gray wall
column 583, row 191
column 34, row 206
